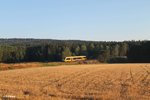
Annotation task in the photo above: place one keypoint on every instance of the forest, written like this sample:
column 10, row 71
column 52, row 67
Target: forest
column 49, row 50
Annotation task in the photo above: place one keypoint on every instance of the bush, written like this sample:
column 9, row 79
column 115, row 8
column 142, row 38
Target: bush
column 117, row 59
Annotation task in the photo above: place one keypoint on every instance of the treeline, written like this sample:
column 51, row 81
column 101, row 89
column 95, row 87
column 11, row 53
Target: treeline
column 28, row 50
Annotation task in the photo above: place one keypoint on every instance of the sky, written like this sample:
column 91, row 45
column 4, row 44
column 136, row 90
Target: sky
column 96, row 20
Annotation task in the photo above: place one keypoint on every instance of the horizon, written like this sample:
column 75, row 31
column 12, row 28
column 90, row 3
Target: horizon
column 94, row 20
column 74, row 39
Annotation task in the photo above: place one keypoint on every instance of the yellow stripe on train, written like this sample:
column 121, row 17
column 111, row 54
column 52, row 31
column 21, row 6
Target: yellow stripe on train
column 74, row 58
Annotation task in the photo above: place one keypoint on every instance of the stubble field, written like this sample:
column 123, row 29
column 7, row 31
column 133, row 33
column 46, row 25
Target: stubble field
column 85, row 82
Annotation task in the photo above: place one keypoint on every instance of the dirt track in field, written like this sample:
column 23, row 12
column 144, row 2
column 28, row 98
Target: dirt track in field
column 97, row 81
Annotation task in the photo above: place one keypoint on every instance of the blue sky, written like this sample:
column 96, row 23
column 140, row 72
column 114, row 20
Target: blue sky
column 100, row 20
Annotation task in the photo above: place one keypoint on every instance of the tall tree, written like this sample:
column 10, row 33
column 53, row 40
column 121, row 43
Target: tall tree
column 123, row 49
column 1, row 53
column 115, row 50
column 77, row 50
column 91, row 51
column 66, row 52
column 104, row 55
column 83, row 50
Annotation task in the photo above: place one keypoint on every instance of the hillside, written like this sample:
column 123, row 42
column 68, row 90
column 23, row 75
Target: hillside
column 48, row 50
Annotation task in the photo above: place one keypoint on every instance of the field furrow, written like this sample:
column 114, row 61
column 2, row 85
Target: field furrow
column 99, row 81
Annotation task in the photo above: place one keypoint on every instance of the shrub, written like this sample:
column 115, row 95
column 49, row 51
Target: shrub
column 117, row 59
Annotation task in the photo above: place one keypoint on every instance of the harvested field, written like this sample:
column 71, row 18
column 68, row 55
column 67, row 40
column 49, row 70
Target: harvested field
column 86, row 82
